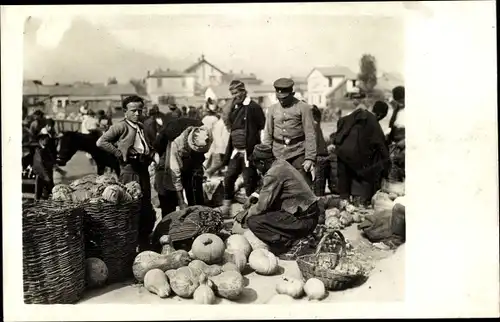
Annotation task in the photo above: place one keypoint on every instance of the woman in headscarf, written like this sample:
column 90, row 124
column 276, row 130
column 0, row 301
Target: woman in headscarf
column 180, row 169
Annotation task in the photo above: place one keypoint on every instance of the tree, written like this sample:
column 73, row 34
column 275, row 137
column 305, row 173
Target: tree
column 368, row 73
column 112, row 81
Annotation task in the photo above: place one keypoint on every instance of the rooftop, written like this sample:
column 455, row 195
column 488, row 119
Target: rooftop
column 336, row 71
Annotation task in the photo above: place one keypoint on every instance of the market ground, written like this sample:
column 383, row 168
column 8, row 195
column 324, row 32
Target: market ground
column 386, row 283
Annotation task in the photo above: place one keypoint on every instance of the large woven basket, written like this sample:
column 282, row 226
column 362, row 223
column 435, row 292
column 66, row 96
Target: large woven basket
column 310, row 268
column 111, row 234
column 53, row 252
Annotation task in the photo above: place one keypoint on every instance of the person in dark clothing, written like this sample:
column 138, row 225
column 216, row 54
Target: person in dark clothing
column 362, row 154
column 43, row 167
column 37, row 124
column 193, row 113
column 322, row 169
column 245, row 121
column 153, row 124
column 173, row 111
column 287, row 210
column 126, row 141
column 49, row 129
column 181, row 164
column 184, row 111
column 397, row 135
column 103, row 120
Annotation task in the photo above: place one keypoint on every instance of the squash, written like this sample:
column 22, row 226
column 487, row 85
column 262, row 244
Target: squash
column 96, row 272
column 185, row 281
column 148, row 260
column 263, row 262
column 208, row 248
column 238, row 242
column 166, row 244
column 314, row 289
column 156, row 282
column 290, row 286
column 170, row 274
column 230, row 267
column 204, row 293
column 236, row 257
column 228, row 285
column 255, row 242
column 209, row 270
column 280, row 299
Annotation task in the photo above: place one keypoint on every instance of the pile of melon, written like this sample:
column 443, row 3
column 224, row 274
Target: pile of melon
column 93, row 189
column 212, row 268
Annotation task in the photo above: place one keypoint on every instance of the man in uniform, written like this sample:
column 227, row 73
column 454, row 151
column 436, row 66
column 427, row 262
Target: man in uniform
column 290, row 129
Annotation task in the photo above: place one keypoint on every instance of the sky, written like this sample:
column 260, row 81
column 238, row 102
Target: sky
column 268, row 44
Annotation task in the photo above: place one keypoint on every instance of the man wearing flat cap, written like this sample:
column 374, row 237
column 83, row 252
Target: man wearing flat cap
column 244, row 120
column 290, row 129
column 286, row 212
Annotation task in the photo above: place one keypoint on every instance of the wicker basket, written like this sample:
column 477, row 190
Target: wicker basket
column 53, row 252
column 334, row 281
column 111, row 234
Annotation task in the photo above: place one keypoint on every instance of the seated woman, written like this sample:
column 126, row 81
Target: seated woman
column 181, row 165
column 286, row 212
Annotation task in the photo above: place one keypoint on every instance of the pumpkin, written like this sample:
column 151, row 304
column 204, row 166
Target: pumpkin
column 314, row 289
column 62, row 195
column 106, row 179
column 230, row 267
column 209, row 270
column 166, row 244
column 290, row 286
column 113, row 193
column 236, row 257
column 148, row 260
column 346, row 218
column 333, row 223
column 208, row 248
column 280, row 299
column 228, row 285
column 156, row 282
column 96, row 272
column 80, row 196
column 185, row 281
column 204, row 293
column 62, row 187
column 134, row 189
column 238, row 242
column 263, row 262
column 255, row 242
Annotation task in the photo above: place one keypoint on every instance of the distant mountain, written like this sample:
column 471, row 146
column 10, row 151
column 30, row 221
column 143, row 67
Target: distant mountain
column 87, row 52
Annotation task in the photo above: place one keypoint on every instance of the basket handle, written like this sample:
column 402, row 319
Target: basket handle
column 323, row 239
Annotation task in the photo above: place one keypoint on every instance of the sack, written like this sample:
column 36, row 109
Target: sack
column 398, row 222
column 377, row 228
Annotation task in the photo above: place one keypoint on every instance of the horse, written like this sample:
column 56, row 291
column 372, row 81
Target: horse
column 70, row 142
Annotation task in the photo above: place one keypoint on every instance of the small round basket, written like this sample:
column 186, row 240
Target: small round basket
column 315, row 265
column 53, row 252
column 111, row 234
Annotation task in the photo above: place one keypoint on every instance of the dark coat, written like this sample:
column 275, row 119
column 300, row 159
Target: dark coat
column 152, row 128
column 255, row 122
column 360, row 142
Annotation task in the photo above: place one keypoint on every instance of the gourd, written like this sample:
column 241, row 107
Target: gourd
column 156, row 282
column 80, row 196
column 185, row 281
column 166, row 245
column 290, row 286
column 148, row 260
column 230, row 267
column 208, row 248
column 236, row 257
column 263, row 262
column 255, row 242
column 280, row 299
column 314, row 289
column 238, row 242
column 96, row 272
column 170, row 274
column 228, row 284
column 204, row 293
column 134, row 189
column 209, row 270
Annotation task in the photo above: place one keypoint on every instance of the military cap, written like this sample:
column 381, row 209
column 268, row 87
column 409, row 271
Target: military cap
column 283, row 86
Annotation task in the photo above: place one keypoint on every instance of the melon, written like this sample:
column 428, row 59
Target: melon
column 96, row 272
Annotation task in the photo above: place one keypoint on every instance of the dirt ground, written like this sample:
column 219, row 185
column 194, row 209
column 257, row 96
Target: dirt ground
column 386, row 283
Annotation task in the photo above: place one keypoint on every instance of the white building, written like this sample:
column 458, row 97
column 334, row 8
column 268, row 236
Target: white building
column 323, row 81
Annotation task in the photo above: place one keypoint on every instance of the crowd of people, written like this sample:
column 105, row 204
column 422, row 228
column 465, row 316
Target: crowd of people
column 281, row 153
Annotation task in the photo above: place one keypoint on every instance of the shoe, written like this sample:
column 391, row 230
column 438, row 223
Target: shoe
column 299, row 248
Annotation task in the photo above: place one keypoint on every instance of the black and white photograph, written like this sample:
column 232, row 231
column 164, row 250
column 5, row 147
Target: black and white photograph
column 215, row 157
